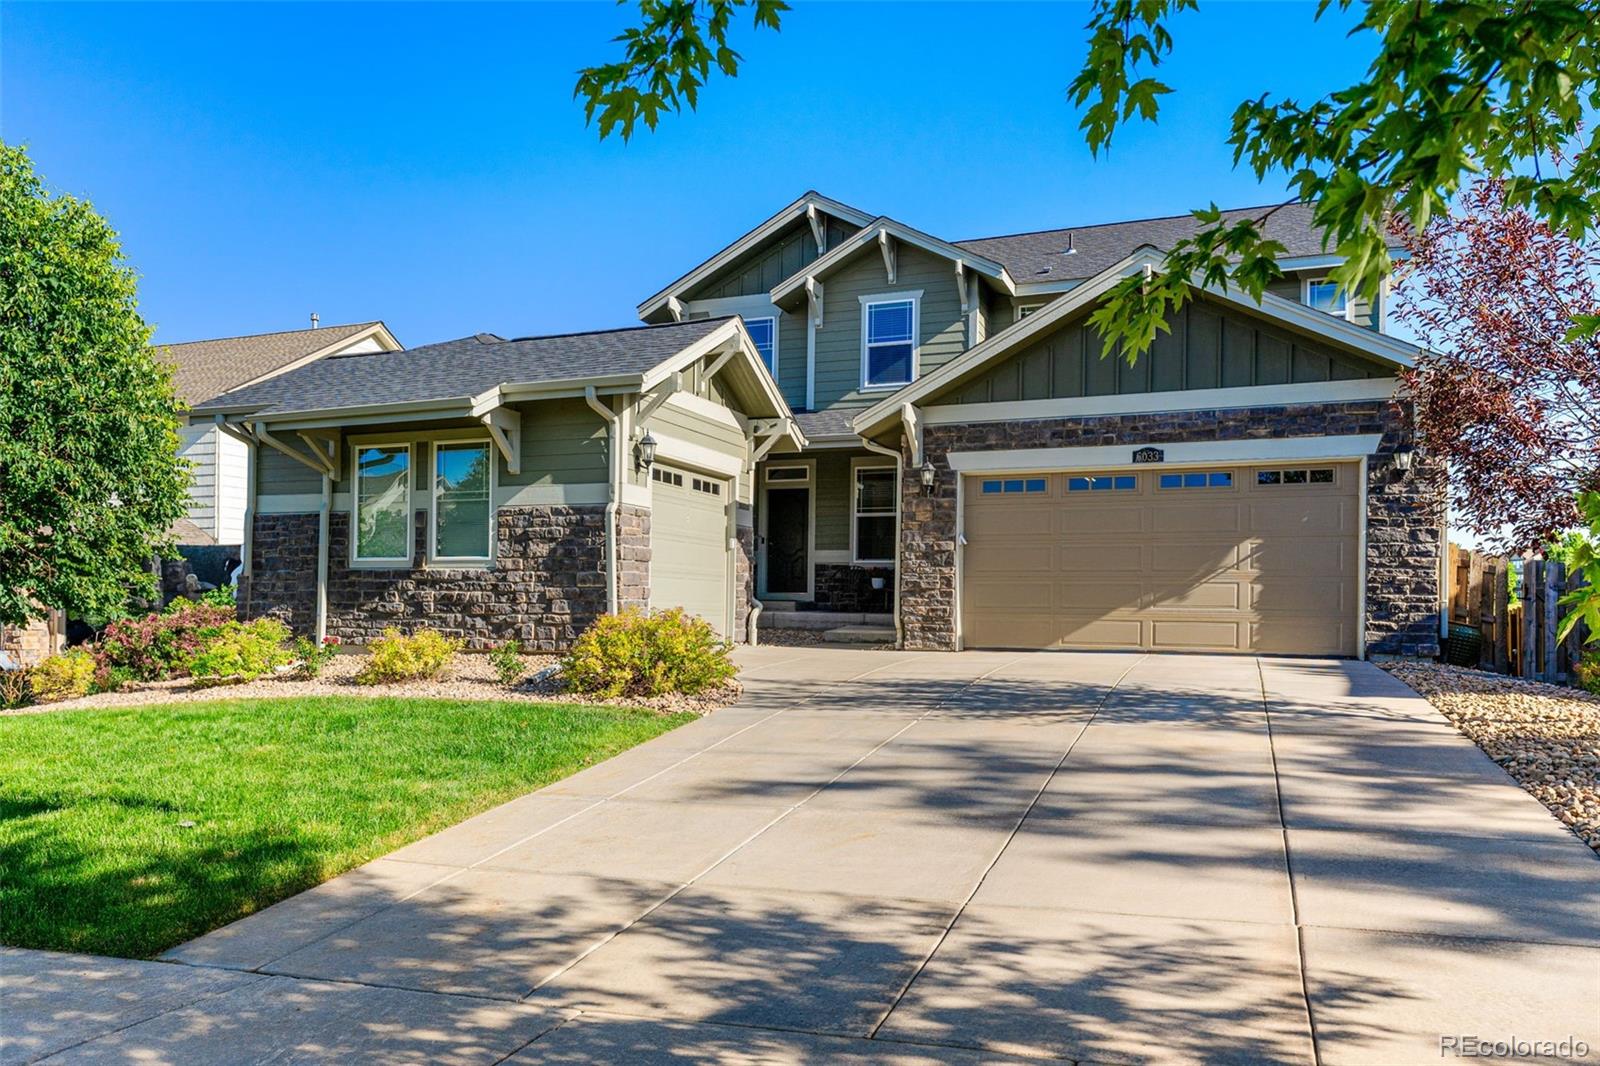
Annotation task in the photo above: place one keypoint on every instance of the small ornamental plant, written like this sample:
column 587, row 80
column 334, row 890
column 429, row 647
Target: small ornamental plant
column 159, row 645
column 243, row 651
column 507, row 662
column 398, row 657
column 63, row 677
column 314, row 657
column 639, row 654
column 16, row 689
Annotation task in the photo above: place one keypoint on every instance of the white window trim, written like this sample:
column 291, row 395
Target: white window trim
column 773, row 318
column 1022, row 309
column 357, row 561
column 914, row 297
column 856, row 466
column 808, row 466
column 809, row 484
column 1349, row 311
column 459, row 561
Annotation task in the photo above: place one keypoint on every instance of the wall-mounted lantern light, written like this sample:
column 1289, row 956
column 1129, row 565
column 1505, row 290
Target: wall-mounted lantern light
column 928, row 475
column 1402, row 460
column 647, row 452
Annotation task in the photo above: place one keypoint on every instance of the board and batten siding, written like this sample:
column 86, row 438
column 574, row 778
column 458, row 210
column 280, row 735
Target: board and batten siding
column 1206, row 349
column 941, row 329
column 760, row 269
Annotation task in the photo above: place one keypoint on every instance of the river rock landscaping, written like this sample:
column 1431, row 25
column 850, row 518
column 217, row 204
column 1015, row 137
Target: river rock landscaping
column 1545, row 736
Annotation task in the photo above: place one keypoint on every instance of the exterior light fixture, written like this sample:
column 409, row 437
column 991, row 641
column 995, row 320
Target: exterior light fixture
column 647, row 452
column 1402, row 460
column 928, row 475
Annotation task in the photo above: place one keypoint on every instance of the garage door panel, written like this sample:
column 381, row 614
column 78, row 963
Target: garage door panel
column 688, row 545
column 1244, row 567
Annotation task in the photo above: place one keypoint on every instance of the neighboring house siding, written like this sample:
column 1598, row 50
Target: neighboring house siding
column 941, row 329
column 760, row 270
column 233, row 462
column 1206, row 349
column 198, row 447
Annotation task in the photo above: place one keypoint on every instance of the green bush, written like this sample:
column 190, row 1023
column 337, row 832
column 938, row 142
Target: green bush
column 243, row 651
column 159, row 645
column 221, row 596
column 397, row 657
column 313, row 656
column 638, row 654
column 1588, row 670
column 507, row 661
column 63, row 677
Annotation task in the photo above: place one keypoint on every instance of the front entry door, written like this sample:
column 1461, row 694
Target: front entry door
column 788, row 562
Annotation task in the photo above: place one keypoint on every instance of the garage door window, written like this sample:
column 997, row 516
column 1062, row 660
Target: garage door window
column 1322, row 476
column 1107, row 483
column 1208, row 479
column 874, row 515
column 1015, row 484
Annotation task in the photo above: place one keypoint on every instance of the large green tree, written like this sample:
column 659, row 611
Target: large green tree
column 90, row 479
column 1454, row 90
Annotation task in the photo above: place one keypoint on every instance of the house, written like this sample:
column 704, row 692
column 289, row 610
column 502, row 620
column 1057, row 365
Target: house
column 838, row 412
column 204, row 369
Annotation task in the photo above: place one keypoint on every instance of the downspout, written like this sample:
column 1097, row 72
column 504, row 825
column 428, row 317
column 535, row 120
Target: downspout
column 614, row 490
column 322, row 558
column 899, row 463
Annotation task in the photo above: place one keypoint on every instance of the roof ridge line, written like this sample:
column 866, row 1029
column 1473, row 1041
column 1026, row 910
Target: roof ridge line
column 271, row 333
column 1117, row 222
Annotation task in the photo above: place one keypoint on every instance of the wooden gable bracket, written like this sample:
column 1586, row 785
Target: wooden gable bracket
column 505, row 429
column 819, row 229
column 961, row 286
column 320, row 463
column 324, row 443
column 664, row 392
column 886, row 245
column 911, row 419
column 675, row 308
column 814, row 300
column 715, row 368
column 771, row 433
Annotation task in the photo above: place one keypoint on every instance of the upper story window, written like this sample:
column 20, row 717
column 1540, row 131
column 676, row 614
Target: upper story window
column 383, row 503
column 463, row 513
column 888, row 342
column 1324, row 295
column 1024, row 310
column 764, row 331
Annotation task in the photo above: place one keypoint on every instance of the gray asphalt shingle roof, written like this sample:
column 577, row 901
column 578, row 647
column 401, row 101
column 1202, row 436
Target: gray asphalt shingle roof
column 1042, row 256
column 463, row 367
column 834, row 422
column 203, row 369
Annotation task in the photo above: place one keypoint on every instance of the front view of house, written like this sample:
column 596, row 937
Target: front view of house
column 838, row 412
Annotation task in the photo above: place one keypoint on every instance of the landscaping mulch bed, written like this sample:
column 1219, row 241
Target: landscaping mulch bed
column 468, row 677
column 1546, row 736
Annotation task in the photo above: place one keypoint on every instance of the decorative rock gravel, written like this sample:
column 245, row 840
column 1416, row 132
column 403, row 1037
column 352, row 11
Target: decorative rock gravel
column 1547, row 737
column 469, row 677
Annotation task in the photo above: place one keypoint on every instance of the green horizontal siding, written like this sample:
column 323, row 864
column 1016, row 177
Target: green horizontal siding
column 279, row 475
column 792, row 357
column 563, row 443
column 833, row 489
column 1207, row 348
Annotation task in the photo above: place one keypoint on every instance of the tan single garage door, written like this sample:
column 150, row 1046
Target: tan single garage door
column 689, row 544
column 1239, row 559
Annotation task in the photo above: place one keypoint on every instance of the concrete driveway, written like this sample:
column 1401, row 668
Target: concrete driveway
column 915, row 858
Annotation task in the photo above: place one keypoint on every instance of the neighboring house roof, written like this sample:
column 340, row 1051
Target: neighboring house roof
column 883, row 229
column 1043, row 256
column 1377, row 346
column 473, row 374
column 204, row 369
column 810, row 201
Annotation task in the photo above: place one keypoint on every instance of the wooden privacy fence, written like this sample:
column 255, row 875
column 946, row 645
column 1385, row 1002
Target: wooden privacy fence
column 1519, row 638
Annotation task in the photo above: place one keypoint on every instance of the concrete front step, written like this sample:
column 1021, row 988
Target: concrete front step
column 782, row 619
column 860, row 635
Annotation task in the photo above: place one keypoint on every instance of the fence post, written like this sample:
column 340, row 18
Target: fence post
column 1530, row 613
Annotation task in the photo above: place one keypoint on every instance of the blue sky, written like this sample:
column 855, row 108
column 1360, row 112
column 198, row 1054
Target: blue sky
column 426, row 164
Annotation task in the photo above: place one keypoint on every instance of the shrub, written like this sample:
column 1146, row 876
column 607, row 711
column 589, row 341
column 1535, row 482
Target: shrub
column 160, row 645
column 63, row 677
column 637, row 654
column 1588, row 670
column 16, row 690
column 243, row 651
column 508, row 664
column 313, row 656
column 397, row 657
column 221, row 596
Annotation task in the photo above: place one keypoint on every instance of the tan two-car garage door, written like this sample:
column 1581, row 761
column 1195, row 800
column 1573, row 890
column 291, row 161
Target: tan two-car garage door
column 1238, row 559
column 689, row 544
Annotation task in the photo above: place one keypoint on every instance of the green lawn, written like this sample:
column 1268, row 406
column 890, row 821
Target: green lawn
column 283, row 794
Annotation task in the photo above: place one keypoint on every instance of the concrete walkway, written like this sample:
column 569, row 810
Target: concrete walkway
column 913, row 858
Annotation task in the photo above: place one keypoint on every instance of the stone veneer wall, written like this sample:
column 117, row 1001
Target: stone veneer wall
column 633, row 557
column 848, row 588
column 744, row 577
column 1405, row 514
column 545, row 586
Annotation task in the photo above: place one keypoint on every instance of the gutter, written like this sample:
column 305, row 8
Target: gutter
column 613, row 490
column 899, row 476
